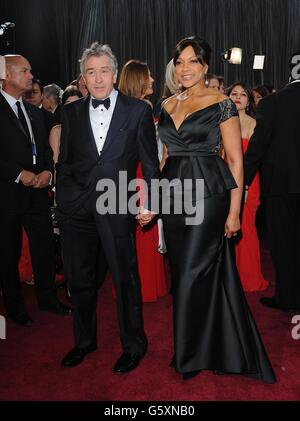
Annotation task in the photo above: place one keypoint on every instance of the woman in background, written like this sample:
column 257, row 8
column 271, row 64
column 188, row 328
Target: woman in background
column 70, row 94
column 136, row 81
column 258, row 93
column 247, row 249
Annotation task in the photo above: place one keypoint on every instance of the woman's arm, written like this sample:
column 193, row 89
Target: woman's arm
column 54, row 140
column 231, row 136
column 164, row 157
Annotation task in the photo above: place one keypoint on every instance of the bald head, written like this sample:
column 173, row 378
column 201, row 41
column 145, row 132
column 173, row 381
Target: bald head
column 18, row 76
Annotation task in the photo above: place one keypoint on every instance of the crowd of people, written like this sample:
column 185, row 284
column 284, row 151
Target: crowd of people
column 199, row 130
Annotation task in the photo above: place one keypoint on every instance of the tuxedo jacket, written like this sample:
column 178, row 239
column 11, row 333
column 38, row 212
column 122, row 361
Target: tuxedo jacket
column 131, row 138
column 16, row 155
column 274, row 147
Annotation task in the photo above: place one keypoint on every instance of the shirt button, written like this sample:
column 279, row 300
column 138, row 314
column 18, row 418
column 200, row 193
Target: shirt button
column 100, row 137
column 101, row 124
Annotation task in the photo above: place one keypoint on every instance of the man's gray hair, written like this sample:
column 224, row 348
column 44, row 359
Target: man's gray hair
column 53, row 91
column 98, row 50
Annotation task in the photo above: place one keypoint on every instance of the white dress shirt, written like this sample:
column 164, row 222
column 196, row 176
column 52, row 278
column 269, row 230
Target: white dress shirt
column 100, row 119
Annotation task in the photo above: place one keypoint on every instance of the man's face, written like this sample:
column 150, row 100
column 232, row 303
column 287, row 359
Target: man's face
column 19, row 77
column 99, row 77
column 47, row 103
column 34, row 96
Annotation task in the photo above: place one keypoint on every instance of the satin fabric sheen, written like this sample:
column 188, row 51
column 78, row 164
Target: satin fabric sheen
column 213, row 326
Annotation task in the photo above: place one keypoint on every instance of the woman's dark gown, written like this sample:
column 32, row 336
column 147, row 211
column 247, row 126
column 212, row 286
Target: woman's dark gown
column 213, row 326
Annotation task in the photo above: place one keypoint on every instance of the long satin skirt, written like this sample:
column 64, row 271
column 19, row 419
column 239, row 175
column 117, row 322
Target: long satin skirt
column 213, row 326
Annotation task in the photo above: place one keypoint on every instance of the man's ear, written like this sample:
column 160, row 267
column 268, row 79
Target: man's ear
column 115, row 78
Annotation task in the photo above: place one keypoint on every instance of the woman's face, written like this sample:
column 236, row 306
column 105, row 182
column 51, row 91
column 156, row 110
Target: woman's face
column 257, row 97
column 188, row 69
column 239, row 97
column 149, row 87
column 214, row 83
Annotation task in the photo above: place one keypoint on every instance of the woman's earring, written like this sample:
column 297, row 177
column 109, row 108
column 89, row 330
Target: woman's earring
column 179, row 86
column 205, row 80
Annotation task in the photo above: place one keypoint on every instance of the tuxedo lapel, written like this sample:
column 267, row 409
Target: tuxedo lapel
column 120, row 115
column 10, row 113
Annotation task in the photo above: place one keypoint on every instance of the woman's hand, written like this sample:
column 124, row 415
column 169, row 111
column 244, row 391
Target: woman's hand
column 232, row 226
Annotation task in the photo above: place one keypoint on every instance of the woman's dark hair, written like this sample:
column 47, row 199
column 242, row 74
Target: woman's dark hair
column 249, row 109
column 262, row 90
column 70, row 90
column 200, row 46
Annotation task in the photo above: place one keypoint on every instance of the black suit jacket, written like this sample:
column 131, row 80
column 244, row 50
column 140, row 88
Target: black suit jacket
column 274, row 147
column 16, row 155
column 130, row 138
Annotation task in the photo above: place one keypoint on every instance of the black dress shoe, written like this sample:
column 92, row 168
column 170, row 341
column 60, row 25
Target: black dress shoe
column 56, row 307
column 77, row 355
column 127, row 362
column 272, row 303
column 22, row 319
column 190, row 374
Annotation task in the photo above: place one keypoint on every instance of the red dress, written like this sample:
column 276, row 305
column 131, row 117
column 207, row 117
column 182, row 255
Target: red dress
column 25, row 267
column 247, row 249
column 151, row 263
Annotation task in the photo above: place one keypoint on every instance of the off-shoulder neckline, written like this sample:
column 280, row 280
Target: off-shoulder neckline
column 194, row 112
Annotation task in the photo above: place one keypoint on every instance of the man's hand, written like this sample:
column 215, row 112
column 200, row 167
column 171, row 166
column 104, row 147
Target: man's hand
column 145, row 216
column 27, row 178
column 42, row 180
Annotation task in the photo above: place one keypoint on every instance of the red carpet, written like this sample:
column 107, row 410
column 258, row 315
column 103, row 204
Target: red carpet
column 30, row 359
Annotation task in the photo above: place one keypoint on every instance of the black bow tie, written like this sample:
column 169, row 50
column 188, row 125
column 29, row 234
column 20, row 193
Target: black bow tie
column 97, row 102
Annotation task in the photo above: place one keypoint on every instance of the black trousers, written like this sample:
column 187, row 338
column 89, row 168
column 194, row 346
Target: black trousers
column 89, row 248
column 283, row 220
column 38, row 227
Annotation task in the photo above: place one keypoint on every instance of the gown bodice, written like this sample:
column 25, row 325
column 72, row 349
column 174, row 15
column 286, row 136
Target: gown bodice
column 194, row 148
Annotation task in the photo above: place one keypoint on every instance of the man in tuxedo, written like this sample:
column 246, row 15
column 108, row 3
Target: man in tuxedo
column 274, row 148
column 103, row 134
column 26, row 169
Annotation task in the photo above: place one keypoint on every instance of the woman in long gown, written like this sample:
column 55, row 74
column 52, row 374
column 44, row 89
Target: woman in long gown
column 136, row 81
column 213, row 326
column 247, row 249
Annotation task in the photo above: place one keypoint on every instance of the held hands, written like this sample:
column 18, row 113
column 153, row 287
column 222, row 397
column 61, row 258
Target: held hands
column 144, row 216
column 42, row 180
column 232, row 226
column 37, row 181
